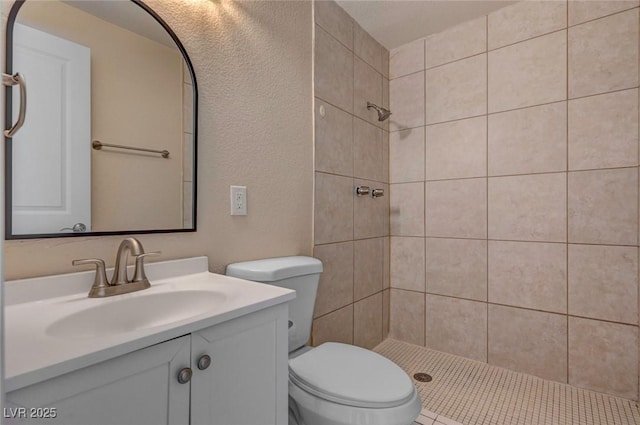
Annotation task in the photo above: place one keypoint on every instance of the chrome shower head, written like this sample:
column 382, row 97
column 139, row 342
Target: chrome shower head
column 383, row 113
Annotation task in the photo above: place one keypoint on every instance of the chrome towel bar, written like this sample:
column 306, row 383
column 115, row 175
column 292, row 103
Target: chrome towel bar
column 12, row 80
column 97, row 145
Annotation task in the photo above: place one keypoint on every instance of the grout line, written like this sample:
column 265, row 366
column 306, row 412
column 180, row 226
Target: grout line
column 497, row 176
column 487, row 186
column 600, row 17
column 636, row 87
column 566, row 195
column 424, row 186
column 353, row 210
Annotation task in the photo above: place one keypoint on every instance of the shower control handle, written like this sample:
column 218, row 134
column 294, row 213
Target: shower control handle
column 376, row 193
column 362, row 190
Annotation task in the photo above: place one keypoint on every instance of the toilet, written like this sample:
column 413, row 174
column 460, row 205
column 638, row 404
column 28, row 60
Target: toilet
column 334, row 383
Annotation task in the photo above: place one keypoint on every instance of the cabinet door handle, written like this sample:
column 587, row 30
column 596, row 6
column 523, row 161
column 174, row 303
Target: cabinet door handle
column 184, row 375
column 204, row 362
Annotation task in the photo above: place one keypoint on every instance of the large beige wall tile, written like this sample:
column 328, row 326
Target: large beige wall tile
column 528, row 274
column 406, row 59
column 407, row 209
column 530, row 140
column 604, row 357
column 367, row 48
column 603, row 55
column 333, row 71
column 187, row 110
column 407, row 101
column 407, row 263
column 336, row 326
column 334, row 140
column 333, row 19
column 385, row 63
column 367, row 321
column 187, row 157
column 187, row 204
column 333, row 208
column 457, row 149
column 603, row 282
column 335, row 289
column 385, row 312
column 457, row 267
column 386, row 262
column 529, row 73
column 528, row 208
column 524, row 20
column 370, row 214
column 406, row 155
column 603, row 206
column 603, row 131
column 385, row 156
column 456, row 208
column 367, row 267
column 406, row 320
column 367, row 87
column 585, row 10
column 461, row 41
column 528, row 341
column 457, row 90
column 457, row 326
column 367, row 151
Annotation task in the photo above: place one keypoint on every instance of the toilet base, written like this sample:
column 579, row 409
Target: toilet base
column 307, row 409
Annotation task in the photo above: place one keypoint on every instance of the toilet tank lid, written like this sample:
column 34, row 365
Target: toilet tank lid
column 273, row 269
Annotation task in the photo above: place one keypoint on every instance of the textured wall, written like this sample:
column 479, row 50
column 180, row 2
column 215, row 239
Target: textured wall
column 514, row 192
column 351, row 233
column 253, row 65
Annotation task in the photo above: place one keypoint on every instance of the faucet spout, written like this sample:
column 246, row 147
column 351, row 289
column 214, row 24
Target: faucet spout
column 129, row 246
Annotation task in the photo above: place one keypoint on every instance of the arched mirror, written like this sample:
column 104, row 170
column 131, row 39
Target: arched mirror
column 109, row 141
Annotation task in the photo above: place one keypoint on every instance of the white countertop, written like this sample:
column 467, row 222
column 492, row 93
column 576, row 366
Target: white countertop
column 33, row 355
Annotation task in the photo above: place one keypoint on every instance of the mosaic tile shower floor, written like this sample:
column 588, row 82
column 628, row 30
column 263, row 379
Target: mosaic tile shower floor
column 468, row 392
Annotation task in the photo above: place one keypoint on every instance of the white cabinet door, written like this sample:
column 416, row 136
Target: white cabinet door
column 246, row 383
column 139, row 388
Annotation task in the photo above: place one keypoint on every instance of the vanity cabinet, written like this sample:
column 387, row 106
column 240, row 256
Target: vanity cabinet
column 244, row 384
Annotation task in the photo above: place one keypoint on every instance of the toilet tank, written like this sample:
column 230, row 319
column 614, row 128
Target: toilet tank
column 301, row 274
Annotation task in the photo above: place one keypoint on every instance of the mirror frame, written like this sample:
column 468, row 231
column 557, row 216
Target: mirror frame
column 8, row 141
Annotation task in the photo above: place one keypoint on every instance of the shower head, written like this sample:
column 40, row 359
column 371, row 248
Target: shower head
column 383, row 113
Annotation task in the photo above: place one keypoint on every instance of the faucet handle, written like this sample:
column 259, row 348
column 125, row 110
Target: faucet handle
column 100, row 282
column 138, row 274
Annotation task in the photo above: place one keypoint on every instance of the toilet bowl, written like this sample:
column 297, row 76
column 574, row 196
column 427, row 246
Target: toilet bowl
column 334, row 383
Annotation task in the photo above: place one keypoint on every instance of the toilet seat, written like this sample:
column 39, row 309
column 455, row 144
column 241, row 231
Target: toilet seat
column 351, row 376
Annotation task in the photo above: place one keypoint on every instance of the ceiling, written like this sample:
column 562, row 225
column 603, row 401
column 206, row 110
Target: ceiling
column 396, row 22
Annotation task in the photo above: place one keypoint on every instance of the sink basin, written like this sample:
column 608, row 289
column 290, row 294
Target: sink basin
column 140, row 311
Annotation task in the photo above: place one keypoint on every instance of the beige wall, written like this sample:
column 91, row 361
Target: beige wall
column 351, row 233
column 514, row 192
column 253, row 65
column 127, row 108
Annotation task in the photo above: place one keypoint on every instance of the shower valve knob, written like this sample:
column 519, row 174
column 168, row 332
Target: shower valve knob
column 362, row 190
column 376, row 193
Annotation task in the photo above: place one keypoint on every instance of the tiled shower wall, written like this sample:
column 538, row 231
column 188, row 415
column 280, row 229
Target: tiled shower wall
column 514, row 192
column 351, row 149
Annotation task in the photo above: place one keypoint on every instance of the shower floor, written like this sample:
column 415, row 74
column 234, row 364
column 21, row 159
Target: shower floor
column 473, row 393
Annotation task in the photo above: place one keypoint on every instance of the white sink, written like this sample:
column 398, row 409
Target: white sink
column 141, row 310
column 52, row 328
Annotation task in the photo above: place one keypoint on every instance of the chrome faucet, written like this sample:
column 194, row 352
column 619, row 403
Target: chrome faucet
column 120, row 283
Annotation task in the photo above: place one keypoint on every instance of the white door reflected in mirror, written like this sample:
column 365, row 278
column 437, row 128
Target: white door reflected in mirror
column 52, row 185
